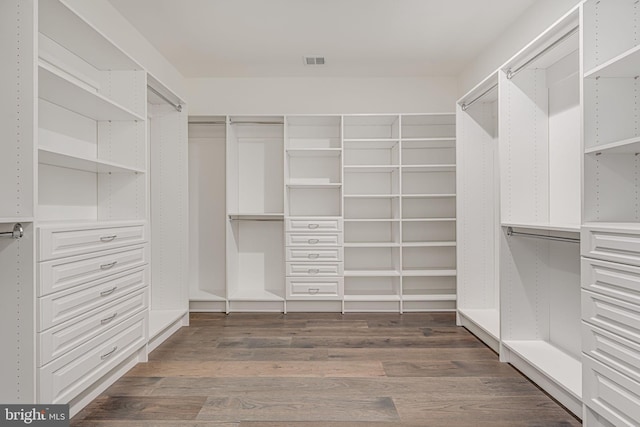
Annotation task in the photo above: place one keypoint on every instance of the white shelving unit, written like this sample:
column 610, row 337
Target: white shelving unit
column 478, row 227
column 540, row 168
column 610, row 233
column 76, row 173
column 255, row 212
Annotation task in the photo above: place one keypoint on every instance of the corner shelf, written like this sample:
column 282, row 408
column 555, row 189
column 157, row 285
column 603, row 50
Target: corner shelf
column 55, row 158
column 57, row 88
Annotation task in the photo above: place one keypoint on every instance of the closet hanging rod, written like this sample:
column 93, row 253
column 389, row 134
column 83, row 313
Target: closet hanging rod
column 16, row 233
column 510, row 232
column 257, row 219
column 465, row 105
column 178, row 107
column 512, row 73
column 208, row 123
column 250, row 122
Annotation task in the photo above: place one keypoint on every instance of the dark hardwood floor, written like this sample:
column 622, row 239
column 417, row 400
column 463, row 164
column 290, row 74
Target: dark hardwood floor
column 329, row 370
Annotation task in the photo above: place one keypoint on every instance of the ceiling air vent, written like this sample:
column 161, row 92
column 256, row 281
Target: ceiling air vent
column 314, row 60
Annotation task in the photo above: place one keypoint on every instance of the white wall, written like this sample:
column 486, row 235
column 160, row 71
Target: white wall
column 102, row 15
column 528, row 26
column 220, row 96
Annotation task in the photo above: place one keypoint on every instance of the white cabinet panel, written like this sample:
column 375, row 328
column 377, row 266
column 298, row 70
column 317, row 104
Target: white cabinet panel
column 611, row 279
column 314, row 288
column 314, row 254
column 315, row 269
column 611, row 244
column 68, row 272
column 612, row 314
column 69, row 241
column 63, row 338
column 333, row 239
column 614, row 351
column 65, row 305
column 309, row 225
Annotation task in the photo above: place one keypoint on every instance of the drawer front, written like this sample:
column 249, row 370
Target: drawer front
column 612, row 350
column 67, row 376
column 331, row 239
column 311, row 225
column 611, row 314
column 611, row 245
column 314, row 288
column 63, row 306
column 315, row 269
column 58, row 242
column 56, row 341
column 611, row 279
column 614, row 396
column 65, row 273
column 316, row 254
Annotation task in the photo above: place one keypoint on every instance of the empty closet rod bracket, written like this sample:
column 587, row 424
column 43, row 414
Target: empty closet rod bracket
column 178, row 107
column 16, row 233
column 512, row 73
column 510, row 232
column 466, row 105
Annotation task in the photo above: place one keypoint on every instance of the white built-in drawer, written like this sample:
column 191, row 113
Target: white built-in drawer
column 612, row 350
column 330, row 239
column 614, row 396
column 58, row 242
column 611, row 244
column 612, row 314
column 315, row 254
column 66, row 273
column 315, row 269
column 306, row 225
column 314, row 288
column 62, row 306
column 611, row 279
column 67, row 376
column 56, row 341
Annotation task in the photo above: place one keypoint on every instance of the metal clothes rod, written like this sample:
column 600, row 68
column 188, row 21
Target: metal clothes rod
column 16, row 233
column 256, row 219
column 208, row 123
column 473, row 101
column 510, row 232
column 512, row 73
column 164, row 98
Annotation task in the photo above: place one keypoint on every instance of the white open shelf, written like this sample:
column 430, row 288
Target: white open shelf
column 487, row 319
column 58, row 88
column 254, row 295
column 429, row 220
column 410, row 140
column 428, row 272
column 428, row 196
column 381, row 142
column 203, row 295
column 371, row 273
column 372, row 220
column 257, row 216
column 372, row 297
column 56, row 158
column 313, row 186
column 314, row 152
column 626, row 64
column 371, row 196
column 627, row 146
column 370, row 168
column 558, row 366
column 407, row 244
column 433, row 296
column 159, row 320
column 372, row 245
column 429, row 168
column 546, row 227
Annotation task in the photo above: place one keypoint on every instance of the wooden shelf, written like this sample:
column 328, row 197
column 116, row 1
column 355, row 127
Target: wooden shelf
column 429, row 168
column 555, row 364
column 314, row 152
column 372, row 245
column 371, row 273
column 627, row 146
column 256, row 217
column 626, row 64
column 547, row 227
column 427, row 244
column 54, row 158
column 372, row 297
column 60, row 89
column 428, row 272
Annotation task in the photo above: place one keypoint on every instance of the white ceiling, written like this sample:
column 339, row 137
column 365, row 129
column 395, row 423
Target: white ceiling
column 268, row 38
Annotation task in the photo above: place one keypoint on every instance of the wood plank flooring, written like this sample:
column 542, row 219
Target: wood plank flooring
column 323, row 370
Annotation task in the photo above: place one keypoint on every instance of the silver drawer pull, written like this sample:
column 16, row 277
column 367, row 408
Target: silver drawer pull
column 313, row 256
column 104, row 356
column 108, row 291
column 313, row 241
column 314, row 291
column 108, row 319
column 106, row 239
column 108, row 266
column 314, row 270
column 313, row 226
